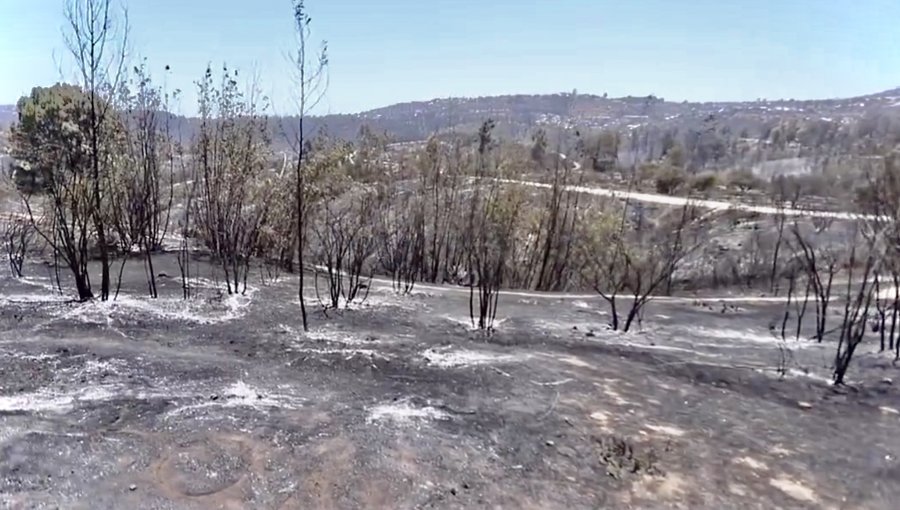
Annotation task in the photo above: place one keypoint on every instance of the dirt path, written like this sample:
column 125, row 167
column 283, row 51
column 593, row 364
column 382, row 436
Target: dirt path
column 715, row 205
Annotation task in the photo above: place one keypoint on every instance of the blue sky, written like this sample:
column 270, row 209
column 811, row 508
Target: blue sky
column 387, row 51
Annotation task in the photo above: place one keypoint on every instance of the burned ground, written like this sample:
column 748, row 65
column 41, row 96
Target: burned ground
column 223, row 402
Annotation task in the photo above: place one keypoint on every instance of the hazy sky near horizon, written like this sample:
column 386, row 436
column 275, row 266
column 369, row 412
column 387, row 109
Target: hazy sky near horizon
column 389, row 51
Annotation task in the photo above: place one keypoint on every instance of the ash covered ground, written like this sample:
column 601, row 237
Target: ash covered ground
column 223, row 402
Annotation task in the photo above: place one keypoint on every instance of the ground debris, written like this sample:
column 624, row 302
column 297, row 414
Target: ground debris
column 621, row 458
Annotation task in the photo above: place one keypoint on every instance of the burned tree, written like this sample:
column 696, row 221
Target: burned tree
column 440, row 168
column 97, row 39
column 821, row 262
column 491, row 232
column 785, row 194
column 18, row 235
column 345, row 241
column 635, row 257
column 860, row 290
column 554, row 235
column 311, row 68
column 400, row 239
column 142, row 190
column 231, row 156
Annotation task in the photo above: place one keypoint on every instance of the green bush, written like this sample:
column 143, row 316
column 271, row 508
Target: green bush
column 703, row 182
column 668, row 180
column 744, row 180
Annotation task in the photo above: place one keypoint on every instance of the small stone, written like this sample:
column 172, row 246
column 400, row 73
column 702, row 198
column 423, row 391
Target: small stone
column 804, row 405
column 453, row 491
column 132, row 487
column 465, row 485
column 566, row 452
column 888, row 381
column 214, row 397
column 550, row 443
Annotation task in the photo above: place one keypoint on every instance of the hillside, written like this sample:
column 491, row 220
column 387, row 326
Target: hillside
column 714, row 134
column 7, row 115
column 520, row 114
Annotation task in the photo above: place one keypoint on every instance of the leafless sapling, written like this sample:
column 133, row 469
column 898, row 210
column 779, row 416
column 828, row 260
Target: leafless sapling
column 311, row 81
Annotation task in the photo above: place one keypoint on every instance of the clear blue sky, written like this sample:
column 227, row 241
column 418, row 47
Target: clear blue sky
column 387, row 51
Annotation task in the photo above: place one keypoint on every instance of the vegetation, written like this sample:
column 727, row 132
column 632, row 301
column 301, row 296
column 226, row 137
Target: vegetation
column 105, row 177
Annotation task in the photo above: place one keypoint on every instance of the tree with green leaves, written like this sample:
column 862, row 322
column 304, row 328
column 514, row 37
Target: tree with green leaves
column 51, row 144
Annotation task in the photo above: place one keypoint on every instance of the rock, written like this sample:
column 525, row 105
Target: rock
column 132, row 487
column 565, row 451
column 888, row 381
column 804, row 405
column 214, row 397
column 550, row 443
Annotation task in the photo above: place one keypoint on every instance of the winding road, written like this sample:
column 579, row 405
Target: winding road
column 715, row 205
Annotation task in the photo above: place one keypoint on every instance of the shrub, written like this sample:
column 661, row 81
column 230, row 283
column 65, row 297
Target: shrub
column 668, row 179
column 703, row 182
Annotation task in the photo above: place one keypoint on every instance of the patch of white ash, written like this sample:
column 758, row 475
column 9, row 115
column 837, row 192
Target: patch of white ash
column 190, row 310
column 350, row 345
column 796, row 373
column 377, row 298
column 386, row 298
column 570, row 325
column 54, row 402
column 339, row 337
column 31, row 298
column 43, row 357
column 241, row 394
column 472, row 325
column 745, row 337
column 347, row 354
column 447, row 357
column 404, row 413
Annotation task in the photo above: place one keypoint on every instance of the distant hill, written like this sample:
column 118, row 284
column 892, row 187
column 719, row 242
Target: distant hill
column 7, row 115
column 716, row 133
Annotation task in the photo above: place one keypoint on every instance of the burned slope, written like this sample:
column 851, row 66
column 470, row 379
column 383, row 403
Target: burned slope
column 224, row 402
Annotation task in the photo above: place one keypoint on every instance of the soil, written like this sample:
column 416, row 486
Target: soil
column 223, row 402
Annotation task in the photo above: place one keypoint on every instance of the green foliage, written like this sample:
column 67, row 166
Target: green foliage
column 539, row 146
column 604, row 151
column 51, row 134
column 744, row 180
column 675, row 155
column 668, row 180
column 703, row 182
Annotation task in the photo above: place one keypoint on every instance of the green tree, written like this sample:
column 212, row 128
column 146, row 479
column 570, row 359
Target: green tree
column 52, row 146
